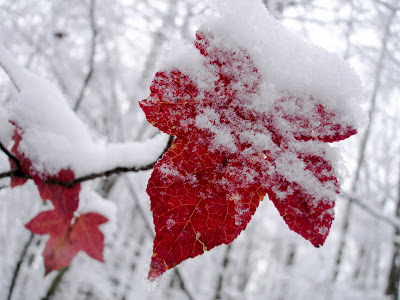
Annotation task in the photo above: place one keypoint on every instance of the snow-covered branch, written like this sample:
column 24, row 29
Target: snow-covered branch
column 116, row 170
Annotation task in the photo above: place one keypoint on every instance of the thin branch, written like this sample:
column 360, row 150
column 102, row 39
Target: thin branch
column 18, row 267
column 375, row 213
column 9, row 72
column 363, row 146
column 220, row 282
column 92, row 54
column 12, row 157
column 117, row 170
column 387, row 5
column 54, row 285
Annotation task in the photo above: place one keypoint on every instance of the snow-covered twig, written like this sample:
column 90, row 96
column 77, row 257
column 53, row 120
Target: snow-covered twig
column 18, row 266
column 18, row 173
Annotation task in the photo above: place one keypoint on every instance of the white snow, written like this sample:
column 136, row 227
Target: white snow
column 286, row 60
column 209, row 119
column 287, row 63
column 55, row 138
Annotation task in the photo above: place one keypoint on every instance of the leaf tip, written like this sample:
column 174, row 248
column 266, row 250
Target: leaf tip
column 48, row 269
column 157, row 268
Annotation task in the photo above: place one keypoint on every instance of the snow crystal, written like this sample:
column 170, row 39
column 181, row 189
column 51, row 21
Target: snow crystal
column 241, row 211
column 153, row 284
column 170, row 223
column 223, row 138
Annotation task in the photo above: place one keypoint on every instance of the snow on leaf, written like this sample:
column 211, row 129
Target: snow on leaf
column 23, row 161
column 64, row 199
column 228, row 154
column 67, row 239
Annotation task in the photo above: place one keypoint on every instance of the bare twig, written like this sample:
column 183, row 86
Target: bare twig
column 362, row 150
column 375, row 213
column 11, row 157
column 89, row 74
column 387, row 5
column 55, row 284
column 117, row 170
column 9, row 73
column 18, row 266
column 220, row 282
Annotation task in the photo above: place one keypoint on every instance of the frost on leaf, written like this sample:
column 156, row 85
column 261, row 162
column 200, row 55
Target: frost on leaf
column 67, row 239
column 228, row 154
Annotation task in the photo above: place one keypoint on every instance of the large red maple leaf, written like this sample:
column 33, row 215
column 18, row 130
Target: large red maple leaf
column 67, row 239
column 228, row 154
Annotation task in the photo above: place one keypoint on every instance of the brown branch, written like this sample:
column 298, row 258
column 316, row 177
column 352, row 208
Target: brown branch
column 69, row 184
column 117, row 170
column 11, row 156
column 54, row 285
column 92, row 54
column 8, row 72
column 377, row 214
column 18, row 266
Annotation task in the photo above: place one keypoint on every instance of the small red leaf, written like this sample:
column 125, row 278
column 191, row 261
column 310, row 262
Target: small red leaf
column 67, row 240
column 87, row 235
column 48, row 222
column 64, row 199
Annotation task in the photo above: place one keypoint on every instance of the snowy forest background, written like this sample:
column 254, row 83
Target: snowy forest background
column 103, row 54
